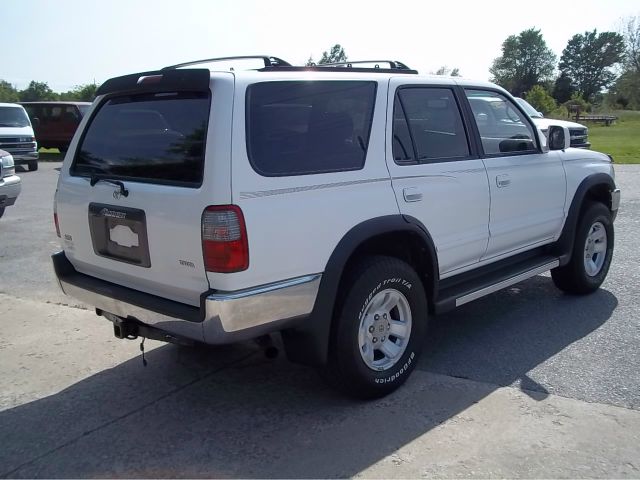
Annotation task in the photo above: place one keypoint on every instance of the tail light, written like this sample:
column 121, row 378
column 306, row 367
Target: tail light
column 224, row 239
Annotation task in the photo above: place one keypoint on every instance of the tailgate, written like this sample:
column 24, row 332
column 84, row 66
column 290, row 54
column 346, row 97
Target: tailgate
column 130, row 203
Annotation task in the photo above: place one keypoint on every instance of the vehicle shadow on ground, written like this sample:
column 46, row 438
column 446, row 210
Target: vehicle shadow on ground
column 231, row 412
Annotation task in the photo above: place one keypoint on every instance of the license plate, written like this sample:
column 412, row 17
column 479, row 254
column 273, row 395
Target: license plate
column 119, row 233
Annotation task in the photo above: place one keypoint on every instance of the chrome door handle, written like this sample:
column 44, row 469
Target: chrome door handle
column 411, row 194
column 503, row 181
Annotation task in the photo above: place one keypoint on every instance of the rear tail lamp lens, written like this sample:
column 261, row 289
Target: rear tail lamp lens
column 224, row 239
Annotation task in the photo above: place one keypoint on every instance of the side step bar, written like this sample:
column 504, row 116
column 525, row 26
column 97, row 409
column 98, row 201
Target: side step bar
column 464, row 291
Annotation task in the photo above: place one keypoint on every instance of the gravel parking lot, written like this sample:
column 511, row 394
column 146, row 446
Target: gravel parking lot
column 526, row 382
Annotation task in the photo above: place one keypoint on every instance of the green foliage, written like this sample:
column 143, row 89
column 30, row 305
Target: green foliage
column 588, row 59
column 631, row 34
column 335, row 55
column 626, row 91
column 81, row 93
column 37, row 91
column 621, row 140
column 525, row 61
column 540, row 99
column 576, row 101
column 8, row 93
column 563, row 88
column 452, row 72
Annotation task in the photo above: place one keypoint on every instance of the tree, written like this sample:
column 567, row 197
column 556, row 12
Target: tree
column 525, row 61
column 631, row 35
column 81, row 93
column 588, row 58
column 335, row 55
column 563, row 88
column 444, row 70
column 8, row 93
column 37, row 91
column 540, row 99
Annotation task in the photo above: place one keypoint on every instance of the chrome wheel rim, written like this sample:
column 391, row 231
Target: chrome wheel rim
column 595, row 249
column 385, row 329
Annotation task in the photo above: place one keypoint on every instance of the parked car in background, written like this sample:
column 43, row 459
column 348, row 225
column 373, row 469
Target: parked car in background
column 9, row 181
column 55, row 122
column 578, row 132
column 16, row 135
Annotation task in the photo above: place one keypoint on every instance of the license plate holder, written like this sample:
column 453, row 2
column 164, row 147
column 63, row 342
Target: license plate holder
column 119, row 233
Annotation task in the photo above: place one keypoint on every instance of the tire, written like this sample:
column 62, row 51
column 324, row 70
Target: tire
column 580, row 276
column 33, row 166
column 1, row 211
column 371, row 281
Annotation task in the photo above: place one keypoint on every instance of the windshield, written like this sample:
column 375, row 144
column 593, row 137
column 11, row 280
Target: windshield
column 529, row 110
column 13, row 117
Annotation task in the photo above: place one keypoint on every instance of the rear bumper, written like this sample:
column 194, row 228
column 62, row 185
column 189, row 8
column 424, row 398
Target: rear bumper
column 223, row 317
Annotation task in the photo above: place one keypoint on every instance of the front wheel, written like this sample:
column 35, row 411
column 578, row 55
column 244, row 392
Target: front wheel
column 379, row 330
column 1, row 211
column 592, row 253
column 33, row 165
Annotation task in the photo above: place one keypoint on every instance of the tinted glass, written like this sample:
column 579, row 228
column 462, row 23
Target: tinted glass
column 297, row 128
column 156, row 138
column 403, row 152
column 434, row 121
column 501, row 125
column 13, row 117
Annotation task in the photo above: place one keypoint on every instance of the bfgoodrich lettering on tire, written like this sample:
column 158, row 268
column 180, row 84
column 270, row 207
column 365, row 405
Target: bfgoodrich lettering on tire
column 379, row 330
column 592, row 252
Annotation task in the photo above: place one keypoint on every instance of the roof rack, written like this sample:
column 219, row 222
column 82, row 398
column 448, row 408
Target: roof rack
column 393, row 64
column 269, row 61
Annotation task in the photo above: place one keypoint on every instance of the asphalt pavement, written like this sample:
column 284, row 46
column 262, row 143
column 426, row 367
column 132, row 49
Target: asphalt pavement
column 525, row 382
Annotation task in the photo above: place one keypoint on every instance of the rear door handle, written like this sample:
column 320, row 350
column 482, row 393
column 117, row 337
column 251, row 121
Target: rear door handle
column 411, row 194
column 503, row 181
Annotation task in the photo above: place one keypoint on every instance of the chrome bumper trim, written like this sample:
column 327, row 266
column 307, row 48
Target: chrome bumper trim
column 265, row 304
column 615, row 200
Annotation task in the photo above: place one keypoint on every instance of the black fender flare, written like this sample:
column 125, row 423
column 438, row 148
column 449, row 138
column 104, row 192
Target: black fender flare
column 564, row 245
column 308, row 341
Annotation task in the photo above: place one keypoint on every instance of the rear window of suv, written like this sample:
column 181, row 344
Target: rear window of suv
column 152, row 138
column 307, row 127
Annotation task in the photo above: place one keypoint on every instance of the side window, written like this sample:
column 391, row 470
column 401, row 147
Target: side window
column 430, row 118
column 306, row 127
column 501, row 125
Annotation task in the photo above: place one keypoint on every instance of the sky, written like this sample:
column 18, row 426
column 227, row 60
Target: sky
column 71, row 42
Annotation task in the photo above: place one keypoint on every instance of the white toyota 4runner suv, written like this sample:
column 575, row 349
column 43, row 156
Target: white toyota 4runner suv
column 340, row 206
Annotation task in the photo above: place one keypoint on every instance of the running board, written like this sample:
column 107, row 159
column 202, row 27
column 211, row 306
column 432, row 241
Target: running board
column 476, row 287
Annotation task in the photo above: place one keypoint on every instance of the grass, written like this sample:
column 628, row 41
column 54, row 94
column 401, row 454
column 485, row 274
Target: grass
column 50, row 155
column 621, row 140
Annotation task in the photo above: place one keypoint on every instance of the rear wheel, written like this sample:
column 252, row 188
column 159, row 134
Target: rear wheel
column 378, row 334
column 33, row 165
column 1, row 211
column 592, row 253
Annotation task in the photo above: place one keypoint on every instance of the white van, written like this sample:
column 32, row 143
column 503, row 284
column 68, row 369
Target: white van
column 16, row 135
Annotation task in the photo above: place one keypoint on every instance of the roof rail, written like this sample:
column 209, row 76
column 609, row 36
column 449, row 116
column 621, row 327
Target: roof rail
column 269, row 61
column 393, row 64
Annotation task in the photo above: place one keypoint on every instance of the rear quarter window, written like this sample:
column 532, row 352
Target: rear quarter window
column 308, row 127
column 151, row 138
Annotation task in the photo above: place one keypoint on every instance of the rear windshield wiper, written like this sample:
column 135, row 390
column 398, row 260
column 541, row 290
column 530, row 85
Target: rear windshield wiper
column 95, row 179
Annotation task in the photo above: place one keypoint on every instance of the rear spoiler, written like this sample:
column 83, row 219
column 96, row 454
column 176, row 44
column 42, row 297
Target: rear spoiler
column 192, row 79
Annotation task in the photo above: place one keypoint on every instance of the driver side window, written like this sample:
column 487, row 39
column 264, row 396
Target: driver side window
column 503, row 130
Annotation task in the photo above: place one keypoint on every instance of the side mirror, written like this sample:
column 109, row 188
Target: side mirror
column 35, row 121
column 541, row 114
column 559, row 138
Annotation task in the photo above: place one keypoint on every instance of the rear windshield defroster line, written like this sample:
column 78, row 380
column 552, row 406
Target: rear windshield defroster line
column 150, row 137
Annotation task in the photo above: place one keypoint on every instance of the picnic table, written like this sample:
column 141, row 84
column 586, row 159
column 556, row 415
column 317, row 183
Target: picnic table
column 606, row 119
